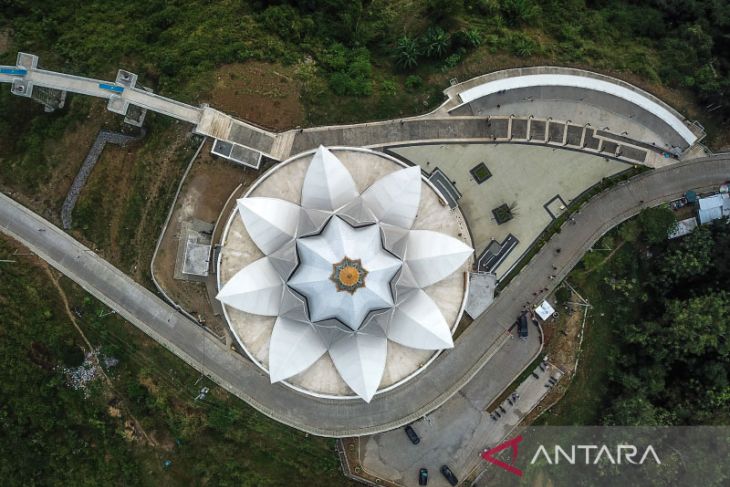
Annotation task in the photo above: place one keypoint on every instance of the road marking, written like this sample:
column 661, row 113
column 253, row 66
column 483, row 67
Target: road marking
column 14, row 71
column 108, row 87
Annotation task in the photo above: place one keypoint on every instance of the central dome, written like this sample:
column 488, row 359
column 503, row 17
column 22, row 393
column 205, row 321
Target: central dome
column 337, row 260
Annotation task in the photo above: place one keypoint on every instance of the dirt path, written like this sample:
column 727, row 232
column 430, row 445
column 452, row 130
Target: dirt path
column 605, row 259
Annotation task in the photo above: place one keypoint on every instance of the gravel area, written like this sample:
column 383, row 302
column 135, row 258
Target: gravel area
column 92, row 157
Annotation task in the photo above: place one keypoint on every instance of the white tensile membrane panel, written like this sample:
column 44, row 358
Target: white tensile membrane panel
column 328, row 272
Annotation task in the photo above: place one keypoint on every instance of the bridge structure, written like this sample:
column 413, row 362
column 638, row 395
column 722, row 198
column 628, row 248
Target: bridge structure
column 236, row 140
column 559, row 107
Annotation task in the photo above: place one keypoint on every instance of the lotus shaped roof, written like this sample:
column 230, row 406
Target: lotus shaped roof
column 344, row 272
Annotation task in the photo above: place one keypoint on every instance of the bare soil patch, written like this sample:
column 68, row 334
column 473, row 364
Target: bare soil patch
column 562, row 346
column 203, row 196
column 262, row 93
column 6, row 40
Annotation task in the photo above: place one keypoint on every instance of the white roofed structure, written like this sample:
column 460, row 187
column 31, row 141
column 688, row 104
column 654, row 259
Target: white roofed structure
column 343, row 272
column 545, row 310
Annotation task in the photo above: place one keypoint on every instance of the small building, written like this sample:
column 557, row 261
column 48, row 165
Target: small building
column 713, row 207
column 481, row 293
column 545, row 311
column 684, row 227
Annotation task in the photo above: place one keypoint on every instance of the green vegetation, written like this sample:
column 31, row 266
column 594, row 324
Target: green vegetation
column 346, row 48
column 502, row 213
column 655, row 349
column 124, row 203
column 480, row 173
column 56, row 435
column 356, row 60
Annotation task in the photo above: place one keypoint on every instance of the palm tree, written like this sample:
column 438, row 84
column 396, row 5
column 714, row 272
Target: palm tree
column 437, row 42
column 407, row 52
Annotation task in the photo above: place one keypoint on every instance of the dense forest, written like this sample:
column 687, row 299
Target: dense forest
column 663, row 319
column 360, row 46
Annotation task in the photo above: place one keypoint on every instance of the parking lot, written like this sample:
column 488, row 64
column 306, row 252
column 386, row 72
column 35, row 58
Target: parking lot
column 459, row 431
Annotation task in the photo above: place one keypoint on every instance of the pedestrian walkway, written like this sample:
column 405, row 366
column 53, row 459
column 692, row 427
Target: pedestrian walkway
column 578, row 97
column 561, row 117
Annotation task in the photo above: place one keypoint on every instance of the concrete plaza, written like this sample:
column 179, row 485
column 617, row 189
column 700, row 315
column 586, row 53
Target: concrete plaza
column 536, row 182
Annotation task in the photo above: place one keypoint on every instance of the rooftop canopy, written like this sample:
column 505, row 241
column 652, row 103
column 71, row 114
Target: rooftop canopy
column 343, row 273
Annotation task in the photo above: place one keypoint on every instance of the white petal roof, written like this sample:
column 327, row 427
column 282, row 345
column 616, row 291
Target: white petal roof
column 394, row 198
column 418, row 323
column 360, row 360
column 270, row 222
column 432, row 256
column 317, row 256
column 328, row 185
column 294, row 347
column 357, row 213
column 257, row 289
column 306, row 244
column 395, row 239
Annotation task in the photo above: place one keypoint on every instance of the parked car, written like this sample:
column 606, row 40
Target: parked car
column 450, row 477
column 423, row 476
column 522, row 325
column 412, row 435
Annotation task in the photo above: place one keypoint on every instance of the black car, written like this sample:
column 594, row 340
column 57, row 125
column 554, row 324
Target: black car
column 450, row 477
column 522, row 325
column 423, row 476
column 412, row 435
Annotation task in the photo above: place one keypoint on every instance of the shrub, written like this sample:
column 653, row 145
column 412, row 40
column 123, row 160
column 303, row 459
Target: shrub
column 522, row 45
column 407, row 52
column 467, row 39
column 353, row 79
column 451, row 61
column 413, row 82
column 562, row 295
column 437, row 42
column 519, row 12
column 389, row 88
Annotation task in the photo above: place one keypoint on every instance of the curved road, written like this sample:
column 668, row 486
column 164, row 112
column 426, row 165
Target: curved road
column 474, row 348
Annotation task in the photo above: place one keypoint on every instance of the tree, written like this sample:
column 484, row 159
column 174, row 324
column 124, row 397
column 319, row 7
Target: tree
column 697, row 326
column 636, row 410
column 691, row 258
column 656, row 224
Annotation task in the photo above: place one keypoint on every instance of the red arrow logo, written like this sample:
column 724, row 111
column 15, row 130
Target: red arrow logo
column 488, row 455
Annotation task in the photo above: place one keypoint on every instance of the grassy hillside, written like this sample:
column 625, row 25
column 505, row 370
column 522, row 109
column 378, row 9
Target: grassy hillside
column 121, row 431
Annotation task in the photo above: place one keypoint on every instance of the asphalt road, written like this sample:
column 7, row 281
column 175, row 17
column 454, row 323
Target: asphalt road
column 434, row 386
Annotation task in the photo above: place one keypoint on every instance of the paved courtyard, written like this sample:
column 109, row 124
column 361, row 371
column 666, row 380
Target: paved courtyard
column 537, row 183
